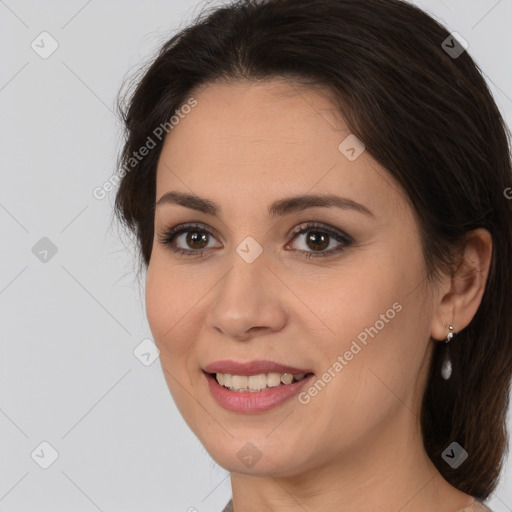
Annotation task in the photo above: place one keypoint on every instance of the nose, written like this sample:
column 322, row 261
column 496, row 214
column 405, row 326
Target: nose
column 248, row 301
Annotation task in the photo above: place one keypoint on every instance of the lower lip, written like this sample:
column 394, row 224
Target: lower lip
column 253, row 402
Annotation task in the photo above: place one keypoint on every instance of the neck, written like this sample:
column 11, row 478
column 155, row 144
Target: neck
column 385, row 472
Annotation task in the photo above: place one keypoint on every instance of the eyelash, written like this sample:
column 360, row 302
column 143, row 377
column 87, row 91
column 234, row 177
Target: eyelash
column 168, row 237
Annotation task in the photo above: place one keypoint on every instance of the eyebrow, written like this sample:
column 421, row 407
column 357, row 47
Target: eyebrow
column 280, row 207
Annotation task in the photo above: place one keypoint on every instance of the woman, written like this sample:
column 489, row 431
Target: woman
column 318, row 191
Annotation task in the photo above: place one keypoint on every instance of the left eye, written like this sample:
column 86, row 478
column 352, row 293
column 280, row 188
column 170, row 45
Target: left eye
column 318, row 239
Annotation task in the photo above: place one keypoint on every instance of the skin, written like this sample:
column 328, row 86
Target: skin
column 356, row 445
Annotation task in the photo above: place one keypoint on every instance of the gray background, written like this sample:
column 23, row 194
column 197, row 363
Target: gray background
column 70, row 323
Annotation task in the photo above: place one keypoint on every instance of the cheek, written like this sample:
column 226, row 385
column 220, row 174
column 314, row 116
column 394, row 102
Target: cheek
column 380, row 320
column 158, row 308
column 384, row 366
column 167, row 305
column 166, row 309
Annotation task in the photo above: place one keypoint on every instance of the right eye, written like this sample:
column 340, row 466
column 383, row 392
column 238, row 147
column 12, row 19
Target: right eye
column 196, row 237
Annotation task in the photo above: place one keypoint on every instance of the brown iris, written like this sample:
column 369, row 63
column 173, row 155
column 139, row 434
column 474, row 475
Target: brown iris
column 197, row 237
column 319, row 240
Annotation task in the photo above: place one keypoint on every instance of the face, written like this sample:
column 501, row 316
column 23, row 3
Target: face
column 263, row 285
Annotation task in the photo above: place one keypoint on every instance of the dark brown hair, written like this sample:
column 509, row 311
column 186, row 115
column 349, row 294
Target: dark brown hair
column 423, row 113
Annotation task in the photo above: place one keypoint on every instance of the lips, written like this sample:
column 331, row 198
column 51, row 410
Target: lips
column 252, row 368
column 246, row 402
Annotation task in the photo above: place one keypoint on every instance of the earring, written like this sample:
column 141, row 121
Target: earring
column 446, row 368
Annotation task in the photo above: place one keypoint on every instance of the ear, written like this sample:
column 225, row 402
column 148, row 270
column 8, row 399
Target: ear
column 461, row 295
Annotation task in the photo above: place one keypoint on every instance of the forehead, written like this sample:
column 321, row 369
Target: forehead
column 242, row 122
column 263, row 111
column 276, row 137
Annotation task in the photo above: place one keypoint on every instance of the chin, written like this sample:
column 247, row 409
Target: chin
column 258, row 457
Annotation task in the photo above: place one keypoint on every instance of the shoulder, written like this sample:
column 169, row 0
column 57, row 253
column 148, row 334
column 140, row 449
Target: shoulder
column 229, row 507
column 476, row 506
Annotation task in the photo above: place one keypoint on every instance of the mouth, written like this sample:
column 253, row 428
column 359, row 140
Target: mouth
column 254, row 387
column 257, row 383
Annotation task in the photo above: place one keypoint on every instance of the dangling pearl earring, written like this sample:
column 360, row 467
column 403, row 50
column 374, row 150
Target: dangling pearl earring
column 446, row 368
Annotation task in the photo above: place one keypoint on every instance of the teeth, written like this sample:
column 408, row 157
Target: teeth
column 255, row 383
column 286, row 378
column 239, row 381
column 273, row 379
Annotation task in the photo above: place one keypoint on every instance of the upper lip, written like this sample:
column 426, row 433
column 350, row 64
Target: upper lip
column 251, row 368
